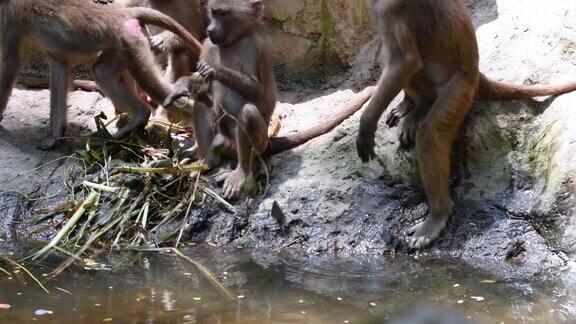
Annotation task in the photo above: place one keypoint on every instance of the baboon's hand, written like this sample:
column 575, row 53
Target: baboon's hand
column 104, row 1
column 181, row 89
column 365, row 147
column 399, row 112
column 165, row 42
column 158, row 43
column 394, row 118
column 206, row 70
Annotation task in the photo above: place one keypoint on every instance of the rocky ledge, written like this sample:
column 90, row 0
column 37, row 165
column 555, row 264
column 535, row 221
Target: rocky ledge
column 513, row 171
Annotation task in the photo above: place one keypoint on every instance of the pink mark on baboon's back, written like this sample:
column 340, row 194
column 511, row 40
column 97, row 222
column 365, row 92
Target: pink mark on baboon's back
column 133, row 27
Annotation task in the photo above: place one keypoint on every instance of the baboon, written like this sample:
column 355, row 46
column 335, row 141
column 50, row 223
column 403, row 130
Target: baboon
column 236, row 56
column 180, row 59
column 72, row 32
column 432, row 54
column 237, row 62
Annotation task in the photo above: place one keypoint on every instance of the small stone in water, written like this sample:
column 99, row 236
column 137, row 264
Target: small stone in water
column 5, row 306
column 477, row 298
column 41, row 312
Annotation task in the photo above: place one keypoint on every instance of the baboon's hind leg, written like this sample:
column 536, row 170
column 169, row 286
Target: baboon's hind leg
column 434, row 139
column 108, row 72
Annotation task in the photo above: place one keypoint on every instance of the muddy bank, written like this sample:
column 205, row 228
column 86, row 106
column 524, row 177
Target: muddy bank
column 513, row 167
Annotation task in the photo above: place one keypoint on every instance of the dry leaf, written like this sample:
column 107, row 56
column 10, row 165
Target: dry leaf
column 274, row 127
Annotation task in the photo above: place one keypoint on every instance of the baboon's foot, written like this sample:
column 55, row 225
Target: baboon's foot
column 130, row 128
column 123, row 121
column 424, row 233
column 48, row 144
column 236, row 182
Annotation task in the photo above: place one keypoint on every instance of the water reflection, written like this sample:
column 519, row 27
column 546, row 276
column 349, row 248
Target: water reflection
column 281, row 289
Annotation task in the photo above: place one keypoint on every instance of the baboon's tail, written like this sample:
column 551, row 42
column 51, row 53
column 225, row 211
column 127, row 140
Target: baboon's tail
column 153, row 17
column 495, row 90
column 44, row 83
column 281, row 144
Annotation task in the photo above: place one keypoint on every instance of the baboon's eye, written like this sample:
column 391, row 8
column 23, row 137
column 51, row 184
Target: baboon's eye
column 219, row 13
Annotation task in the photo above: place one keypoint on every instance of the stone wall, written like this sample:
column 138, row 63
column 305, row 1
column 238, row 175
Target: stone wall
column 308, row 29
column 308, row 33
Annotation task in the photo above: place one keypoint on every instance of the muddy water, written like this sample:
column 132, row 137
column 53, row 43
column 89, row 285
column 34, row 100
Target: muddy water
column 162, row 288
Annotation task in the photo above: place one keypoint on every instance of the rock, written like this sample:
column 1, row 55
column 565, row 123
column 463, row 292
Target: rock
column 288, row 47
column 514, row 165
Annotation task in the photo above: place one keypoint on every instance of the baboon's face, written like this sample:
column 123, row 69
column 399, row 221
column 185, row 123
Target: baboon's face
column 230, row 19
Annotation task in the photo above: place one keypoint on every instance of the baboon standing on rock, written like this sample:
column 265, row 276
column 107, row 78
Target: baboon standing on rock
column 432, row 54
column 74, row 31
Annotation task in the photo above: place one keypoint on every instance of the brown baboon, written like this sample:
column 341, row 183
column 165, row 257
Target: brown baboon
column 432, row 54
column 113, row 35
column 236, row 60
column 236, row 56
column 180, row 58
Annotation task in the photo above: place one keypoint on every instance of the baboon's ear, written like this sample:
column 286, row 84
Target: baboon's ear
column 258, row 8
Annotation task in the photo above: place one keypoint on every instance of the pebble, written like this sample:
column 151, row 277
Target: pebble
column 42, row 312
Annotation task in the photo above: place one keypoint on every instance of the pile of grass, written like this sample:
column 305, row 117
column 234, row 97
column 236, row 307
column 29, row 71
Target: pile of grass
column 129, row 189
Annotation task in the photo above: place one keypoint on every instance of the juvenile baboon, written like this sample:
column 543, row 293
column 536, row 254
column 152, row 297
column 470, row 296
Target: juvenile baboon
column 432, row 54
column 72, row 31
column 236, row 60
column 236, row 56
